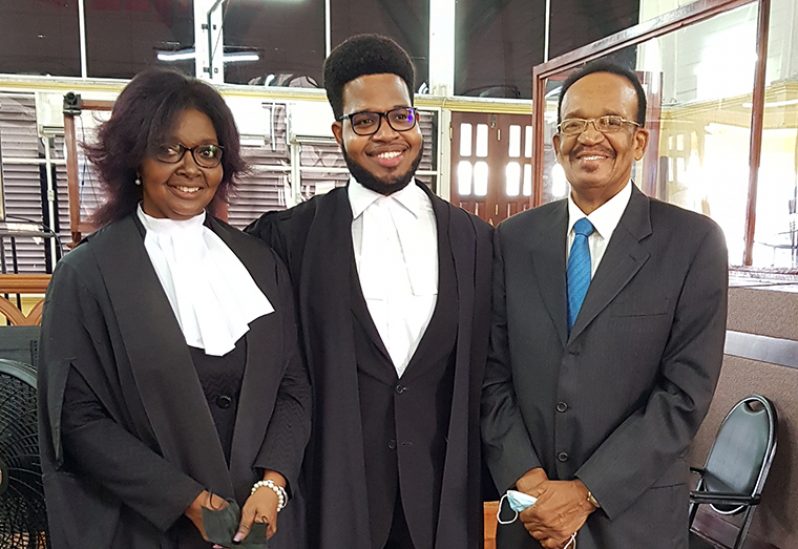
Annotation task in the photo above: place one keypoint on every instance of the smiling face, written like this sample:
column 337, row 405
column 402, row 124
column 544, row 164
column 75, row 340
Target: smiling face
column 181, row 190
column 386, row 160
column 598, row 165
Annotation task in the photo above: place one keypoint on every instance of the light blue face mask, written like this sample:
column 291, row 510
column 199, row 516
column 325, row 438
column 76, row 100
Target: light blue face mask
column 519, row 501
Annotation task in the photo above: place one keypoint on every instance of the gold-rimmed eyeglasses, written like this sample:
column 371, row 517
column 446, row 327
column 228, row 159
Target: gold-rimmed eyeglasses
column 605, row 124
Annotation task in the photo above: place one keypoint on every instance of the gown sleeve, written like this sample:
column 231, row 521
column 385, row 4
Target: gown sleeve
column 88, row 430
column 289, row 428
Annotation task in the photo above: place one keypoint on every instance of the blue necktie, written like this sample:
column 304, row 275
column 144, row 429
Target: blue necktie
column 578, row 269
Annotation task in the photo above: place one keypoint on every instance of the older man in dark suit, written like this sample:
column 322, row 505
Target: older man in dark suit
column 607, row 340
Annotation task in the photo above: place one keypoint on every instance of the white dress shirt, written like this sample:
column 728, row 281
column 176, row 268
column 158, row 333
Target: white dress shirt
column 604, row 220
column 396, row 251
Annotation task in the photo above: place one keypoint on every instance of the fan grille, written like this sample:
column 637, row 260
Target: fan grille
column 23, row 519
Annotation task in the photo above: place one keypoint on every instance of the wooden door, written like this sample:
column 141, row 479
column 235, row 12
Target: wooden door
column 492, row 164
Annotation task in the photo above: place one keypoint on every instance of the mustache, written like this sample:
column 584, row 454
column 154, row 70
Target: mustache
column 579, row 149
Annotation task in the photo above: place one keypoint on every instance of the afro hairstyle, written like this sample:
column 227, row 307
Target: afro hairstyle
column 360, row 55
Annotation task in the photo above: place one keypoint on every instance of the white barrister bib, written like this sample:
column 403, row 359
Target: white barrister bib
column 212, row 294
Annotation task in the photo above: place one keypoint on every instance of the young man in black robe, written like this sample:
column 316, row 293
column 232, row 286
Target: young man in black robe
column 393, row 289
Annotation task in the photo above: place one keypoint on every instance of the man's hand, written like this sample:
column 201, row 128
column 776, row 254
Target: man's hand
column 562, row 508
column 531, row 480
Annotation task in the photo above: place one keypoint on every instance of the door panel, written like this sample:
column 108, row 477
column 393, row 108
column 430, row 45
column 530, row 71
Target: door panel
column 491, row 164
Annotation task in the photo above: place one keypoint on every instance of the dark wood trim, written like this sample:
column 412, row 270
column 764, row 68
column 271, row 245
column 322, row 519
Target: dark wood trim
column 538, row 110
column 73, row 191
column 96, row 105
column 679, row 18
column 78, row 227
column 757, row 125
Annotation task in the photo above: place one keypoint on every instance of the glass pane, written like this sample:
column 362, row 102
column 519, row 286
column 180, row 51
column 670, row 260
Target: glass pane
column 528, row 142
column 497, row 42
column 776, row 237
column 512, row 178
column 464, row 171
column 514, row 144
column 406, row 22
column 45, row 38
column 124, row 37
column 465, row 139
column 481, row 178
column 482, row 140
column 274, row 43
column 527, row 187
column 699, row 131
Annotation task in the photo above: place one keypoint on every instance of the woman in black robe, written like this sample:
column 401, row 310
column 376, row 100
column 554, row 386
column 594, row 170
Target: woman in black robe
column 170, row 379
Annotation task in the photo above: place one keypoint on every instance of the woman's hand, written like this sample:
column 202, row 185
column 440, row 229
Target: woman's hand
column 194, row 511
column 261, row 507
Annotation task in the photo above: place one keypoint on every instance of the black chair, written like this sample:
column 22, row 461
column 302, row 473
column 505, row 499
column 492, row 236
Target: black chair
column 731, row 481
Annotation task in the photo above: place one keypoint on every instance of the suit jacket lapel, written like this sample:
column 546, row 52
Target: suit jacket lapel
column 159, row 357
column 547, row 254
column 624, row 257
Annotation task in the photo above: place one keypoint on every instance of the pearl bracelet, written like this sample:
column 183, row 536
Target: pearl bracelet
column 282, row 495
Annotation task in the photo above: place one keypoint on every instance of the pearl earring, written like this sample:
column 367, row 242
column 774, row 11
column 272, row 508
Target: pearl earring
column 138, row 180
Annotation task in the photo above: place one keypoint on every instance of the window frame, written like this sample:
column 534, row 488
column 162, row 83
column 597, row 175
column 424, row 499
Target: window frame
column 690, row 14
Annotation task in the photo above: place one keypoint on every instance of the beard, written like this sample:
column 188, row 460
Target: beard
column 382, row 186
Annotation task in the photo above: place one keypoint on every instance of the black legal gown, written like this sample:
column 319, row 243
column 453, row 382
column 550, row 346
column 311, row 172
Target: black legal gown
column 315, row 241
column 133, row 423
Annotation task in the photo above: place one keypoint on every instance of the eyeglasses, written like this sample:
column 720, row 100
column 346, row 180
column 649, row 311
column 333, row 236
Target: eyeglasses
column 206, row 156
column 605, row 124
column 400, row 119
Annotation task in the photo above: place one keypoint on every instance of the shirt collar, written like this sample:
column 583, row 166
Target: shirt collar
column 606, row 217
column 360, row 198
column 166, row 226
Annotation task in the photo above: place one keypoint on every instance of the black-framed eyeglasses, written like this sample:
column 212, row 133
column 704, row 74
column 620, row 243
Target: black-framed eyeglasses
column 605, row 124
column 399, row 119
column 206, row 156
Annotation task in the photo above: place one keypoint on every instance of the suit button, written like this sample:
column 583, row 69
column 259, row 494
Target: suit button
column 562, row 456
column 223, row 401
column 562, row 407
column 400, row 389
column 391, row 444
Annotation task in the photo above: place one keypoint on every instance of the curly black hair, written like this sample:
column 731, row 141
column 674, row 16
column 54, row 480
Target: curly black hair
column 360, row 55
column 613, row 68
column 142, row 118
